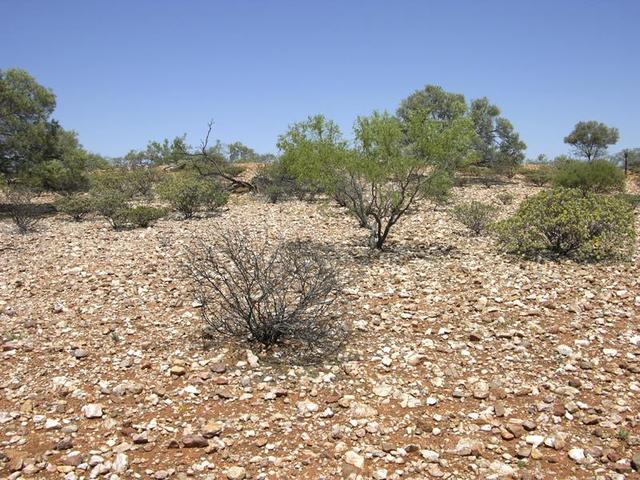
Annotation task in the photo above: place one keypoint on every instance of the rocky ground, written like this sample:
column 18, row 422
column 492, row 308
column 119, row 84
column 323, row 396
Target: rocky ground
column 463, row 362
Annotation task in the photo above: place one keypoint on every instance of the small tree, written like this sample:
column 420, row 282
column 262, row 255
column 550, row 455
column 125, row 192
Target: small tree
column 276, row 295
column 312, row 151
column 591, row 139
column 393, row 165
column 497, row 144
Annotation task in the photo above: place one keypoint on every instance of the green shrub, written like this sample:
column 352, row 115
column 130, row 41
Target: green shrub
column 632, row 199
column 476, row 216
column 140, row 181
column 140, row 216
column 187, row 194
column 570, row 223
column 539, row 176
column 108, row 202
column 505, row 198
column 438, row 189
column 77, row 206
column 598, row 176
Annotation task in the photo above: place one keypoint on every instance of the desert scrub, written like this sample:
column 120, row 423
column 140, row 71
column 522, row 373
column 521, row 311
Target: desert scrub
column 597, row 176
column 505, row 198
column 187, row 194
column 539, row 176
column 24, row 213
column 77, row 206
column 570, row 223
column 278, row 295
column 140, row 216
column 107, row 202
column 476, row 216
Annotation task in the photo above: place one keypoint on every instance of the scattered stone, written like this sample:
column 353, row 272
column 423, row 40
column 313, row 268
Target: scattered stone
column 92, row 410
column 576, row 454
column 352, row 458
column 236, row 473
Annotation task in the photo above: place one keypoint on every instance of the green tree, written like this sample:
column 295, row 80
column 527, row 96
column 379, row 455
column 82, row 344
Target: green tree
column 312, row 150
column 26, row 131
column 591, row 139
column 394, row 164
column 239, row 152
column 66, row 166
column 435, row 102
column 497, row 144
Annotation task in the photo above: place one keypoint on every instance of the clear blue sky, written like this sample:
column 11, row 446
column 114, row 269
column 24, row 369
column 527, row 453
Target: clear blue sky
column 128, row 71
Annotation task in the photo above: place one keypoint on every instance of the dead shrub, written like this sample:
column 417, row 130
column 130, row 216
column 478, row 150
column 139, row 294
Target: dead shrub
column 277, row 295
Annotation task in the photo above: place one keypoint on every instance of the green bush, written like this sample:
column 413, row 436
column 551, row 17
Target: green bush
column 138, row 181
column 476, row 216
column 187, row 194
column 108, row 202
column 598, row 176
column 438, row 189
column 77, row 206
column 539, row 176
column 140, row 216
column 632, row 199
column 570, row 223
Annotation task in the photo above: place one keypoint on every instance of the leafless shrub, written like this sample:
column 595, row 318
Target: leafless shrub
column 277, row 295
column 23, row 212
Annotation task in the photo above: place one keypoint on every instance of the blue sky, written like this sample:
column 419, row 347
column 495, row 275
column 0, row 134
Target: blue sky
column 128, row 71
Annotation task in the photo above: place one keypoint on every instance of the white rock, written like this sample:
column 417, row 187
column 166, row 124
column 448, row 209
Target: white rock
column 383, row 390
column 564, row 350
column 236, row 473
column 252, row 359
column 576, row 454
column 52, row 424
column 535, row 440
column 121, row 463
column 380, row 474
column 92, row 410
column 610, row 352
column 430, row 455
column 501, row 469
column 352, row 458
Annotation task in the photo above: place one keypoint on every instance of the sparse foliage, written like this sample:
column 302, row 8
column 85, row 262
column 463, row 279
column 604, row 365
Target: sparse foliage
column 570, row 223
column 23, row 211
column 474, row 215
column 276, row 295
column 274, row 183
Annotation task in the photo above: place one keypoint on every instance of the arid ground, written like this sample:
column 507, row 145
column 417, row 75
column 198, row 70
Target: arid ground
column 463, row 362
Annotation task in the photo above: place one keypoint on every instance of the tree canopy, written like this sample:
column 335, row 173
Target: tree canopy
column 591, row 139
